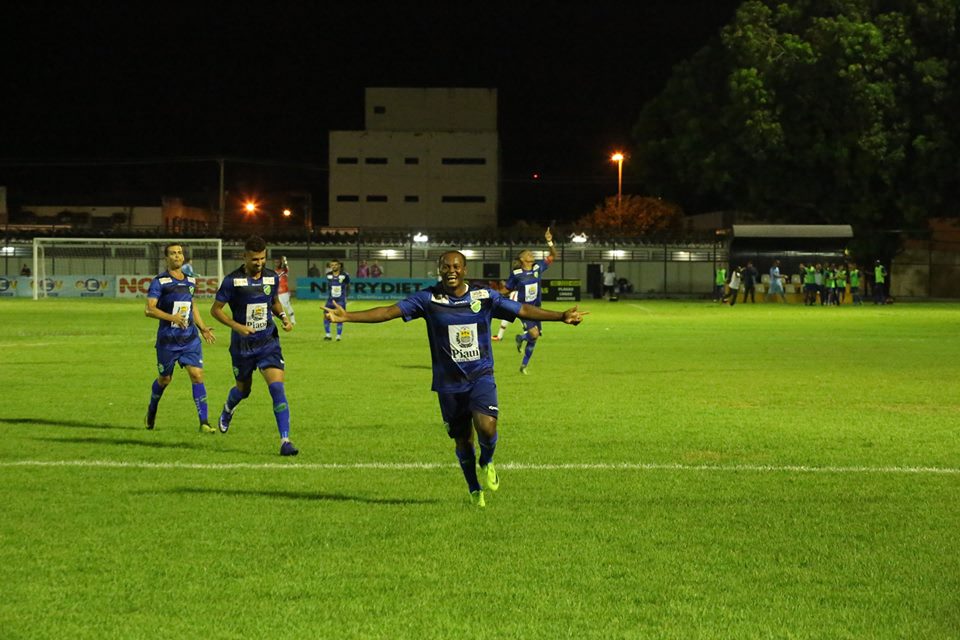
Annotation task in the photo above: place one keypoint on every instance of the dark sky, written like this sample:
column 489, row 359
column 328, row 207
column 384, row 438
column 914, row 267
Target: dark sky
column 269, row 80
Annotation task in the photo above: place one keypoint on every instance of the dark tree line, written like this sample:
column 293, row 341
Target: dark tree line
column 815, row 111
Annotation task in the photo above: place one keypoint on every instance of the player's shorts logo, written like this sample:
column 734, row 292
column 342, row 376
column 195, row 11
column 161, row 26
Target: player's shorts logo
column 160, row 368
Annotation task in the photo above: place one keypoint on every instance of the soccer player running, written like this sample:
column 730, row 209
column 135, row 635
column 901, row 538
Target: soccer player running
column 458, row 319
column 170, row 301
column 338, row 285
column 251, row 292
column 526, row 281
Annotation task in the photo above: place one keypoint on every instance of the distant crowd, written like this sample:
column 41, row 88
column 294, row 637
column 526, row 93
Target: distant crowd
column 821, row 284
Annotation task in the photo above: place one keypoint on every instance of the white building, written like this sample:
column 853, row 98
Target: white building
column 428, row 158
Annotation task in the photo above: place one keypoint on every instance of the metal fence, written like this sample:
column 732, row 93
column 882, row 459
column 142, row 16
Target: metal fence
column 644, row 269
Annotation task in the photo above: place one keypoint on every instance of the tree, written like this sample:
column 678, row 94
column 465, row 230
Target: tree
column 820, row 111
column 633, row 215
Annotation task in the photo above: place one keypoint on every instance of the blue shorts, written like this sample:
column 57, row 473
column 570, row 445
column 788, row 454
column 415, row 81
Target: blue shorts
column 244, row 365
column 190, row 355
column 340, row 301
column 457, row 409
column 530, row 324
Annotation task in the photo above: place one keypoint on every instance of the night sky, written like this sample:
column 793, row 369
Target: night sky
column 267, row 81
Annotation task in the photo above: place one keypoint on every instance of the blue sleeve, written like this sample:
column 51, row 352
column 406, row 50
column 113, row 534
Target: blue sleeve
column 502, row 307
column 225, row 292
column 414, row 306
column 511, row 283
column 544, row 265
column 155, row 290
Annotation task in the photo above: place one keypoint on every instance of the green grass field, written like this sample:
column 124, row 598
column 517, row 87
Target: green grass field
column 668, row 470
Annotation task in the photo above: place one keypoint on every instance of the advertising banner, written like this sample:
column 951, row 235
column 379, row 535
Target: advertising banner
column 561, row 290
column 72, row 286
column 364, row 288
column 12, row 286
column 137, row 286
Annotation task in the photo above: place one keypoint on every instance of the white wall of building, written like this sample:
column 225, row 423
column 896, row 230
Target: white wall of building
column 429, row 158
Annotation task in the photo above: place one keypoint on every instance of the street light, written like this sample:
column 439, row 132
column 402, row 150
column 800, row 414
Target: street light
column 618, row 158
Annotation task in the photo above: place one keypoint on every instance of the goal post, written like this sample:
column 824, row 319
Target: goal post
column 85, row 266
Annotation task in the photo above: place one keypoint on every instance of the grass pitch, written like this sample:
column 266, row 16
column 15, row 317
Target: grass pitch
column 669, row 470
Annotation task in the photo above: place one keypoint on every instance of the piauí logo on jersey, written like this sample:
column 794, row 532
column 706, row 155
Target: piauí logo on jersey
column 465, row 337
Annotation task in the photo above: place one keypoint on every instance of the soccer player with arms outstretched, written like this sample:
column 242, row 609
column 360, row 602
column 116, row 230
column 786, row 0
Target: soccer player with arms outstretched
column 170, row 300
column 458, row 327
column 526, row 281
column 251, row 292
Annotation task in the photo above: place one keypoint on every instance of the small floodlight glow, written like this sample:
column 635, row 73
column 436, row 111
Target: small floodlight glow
column 578, row 238
column 388, row 253
column 287, row 213
column 617, row 157
column 420, row 237
column 250, row 206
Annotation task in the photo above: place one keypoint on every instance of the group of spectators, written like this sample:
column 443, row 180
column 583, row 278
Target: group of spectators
column 825, row 284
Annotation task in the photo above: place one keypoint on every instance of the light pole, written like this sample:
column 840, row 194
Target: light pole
column 618, row 158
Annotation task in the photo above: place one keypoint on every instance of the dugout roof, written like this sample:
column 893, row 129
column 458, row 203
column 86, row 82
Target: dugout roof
column 792, row 231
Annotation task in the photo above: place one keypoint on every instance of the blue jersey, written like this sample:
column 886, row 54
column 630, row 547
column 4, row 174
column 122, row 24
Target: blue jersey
column 251, row 302
column 526, row 282
column 459, row 332
column 337, row 287
column 174, row 297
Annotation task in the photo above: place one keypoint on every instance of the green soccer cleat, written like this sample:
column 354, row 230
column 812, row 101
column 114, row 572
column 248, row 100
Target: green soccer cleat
column 476, row 497
column 523, row 369
column 206, row 428
column 488, row 477
column 519, row 341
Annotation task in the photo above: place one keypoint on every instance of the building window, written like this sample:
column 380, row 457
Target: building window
column 344, row 160
column 411, row 198
column 348, row 198
column 376, row 161
column 411, row 161
column 379, row 110
column 463, row 199
column 376, row 198
column 464, row 161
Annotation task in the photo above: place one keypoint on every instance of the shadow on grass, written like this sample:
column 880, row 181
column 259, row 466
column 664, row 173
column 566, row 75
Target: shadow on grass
column 415, row 366
column 126, row 442
column 68, row 423
column 298, row 495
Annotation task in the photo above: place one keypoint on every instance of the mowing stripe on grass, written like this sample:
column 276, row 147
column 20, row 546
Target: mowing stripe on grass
column 514, row 466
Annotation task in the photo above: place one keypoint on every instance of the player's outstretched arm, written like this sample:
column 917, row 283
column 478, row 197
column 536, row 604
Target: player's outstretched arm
column 571, row 316
column 377, row 314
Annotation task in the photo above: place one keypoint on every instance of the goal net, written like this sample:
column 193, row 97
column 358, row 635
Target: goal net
column 117, row 267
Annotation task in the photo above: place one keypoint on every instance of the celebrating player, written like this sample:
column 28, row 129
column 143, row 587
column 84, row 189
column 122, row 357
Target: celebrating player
column 458, row 326
column 251, row 292
column 338, row 285
column 526, row 281
column 170, row 300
